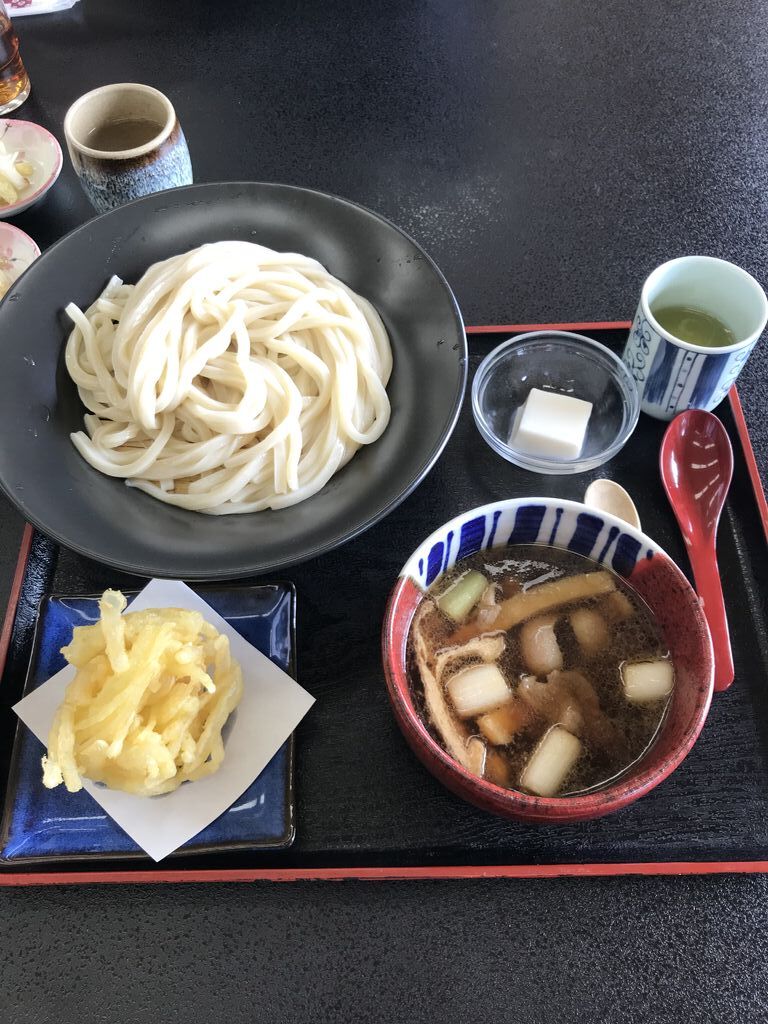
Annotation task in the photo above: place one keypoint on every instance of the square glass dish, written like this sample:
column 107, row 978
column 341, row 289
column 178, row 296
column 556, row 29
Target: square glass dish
column 45, row 826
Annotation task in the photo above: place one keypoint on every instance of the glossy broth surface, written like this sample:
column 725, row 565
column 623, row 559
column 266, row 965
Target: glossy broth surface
column 115, row 136
column 636, row 639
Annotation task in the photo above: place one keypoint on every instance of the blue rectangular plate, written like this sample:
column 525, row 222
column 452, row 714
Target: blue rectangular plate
column 49, row 825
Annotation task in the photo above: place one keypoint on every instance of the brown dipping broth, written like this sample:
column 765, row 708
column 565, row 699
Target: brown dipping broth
column 637, row 639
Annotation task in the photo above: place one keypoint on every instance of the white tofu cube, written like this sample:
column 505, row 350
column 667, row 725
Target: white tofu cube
column 550, row 424
column 551, row 761
column 647, row 681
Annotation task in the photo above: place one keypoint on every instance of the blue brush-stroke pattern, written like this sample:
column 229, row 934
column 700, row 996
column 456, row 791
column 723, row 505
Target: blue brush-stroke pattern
column 626, row 554
column 528, row 519
column 660, row 373
column 611, row 537
column 558, row 517
column 434, row 562
column 528, row 525
column 448, row 543
column 494, row 524
column 587, row 530
column 471, row 537
column 709, row 376
column 674, row 370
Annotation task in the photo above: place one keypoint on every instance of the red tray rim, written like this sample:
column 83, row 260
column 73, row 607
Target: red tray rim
column 456, row 872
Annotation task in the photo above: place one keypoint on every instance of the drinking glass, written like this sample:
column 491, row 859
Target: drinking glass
column 14, row 80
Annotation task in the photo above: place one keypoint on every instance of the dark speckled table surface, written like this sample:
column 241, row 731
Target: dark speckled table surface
column 548, row 154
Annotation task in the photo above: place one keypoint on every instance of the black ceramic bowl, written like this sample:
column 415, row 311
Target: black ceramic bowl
column 100, row 517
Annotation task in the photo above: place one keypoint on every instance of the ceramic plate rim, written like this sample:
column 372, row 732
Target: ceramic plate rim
column 342, row 536
column 20, row 237
column 25, row 202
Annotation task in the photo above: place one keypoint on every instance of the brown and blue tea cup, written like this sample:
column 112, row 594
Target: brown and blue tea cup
column 125, row 141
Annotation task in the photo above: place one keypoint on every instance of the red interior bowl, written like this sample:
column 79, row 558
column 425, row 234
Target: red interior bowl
column 676, row 607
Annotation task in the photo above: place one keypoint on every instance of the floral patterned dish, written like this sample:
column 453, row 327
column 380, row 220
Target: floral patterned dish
column 36, row 146
column 17, row 252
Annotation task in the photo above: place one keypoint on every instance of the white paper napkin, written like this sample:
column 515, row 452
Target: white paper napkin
column 272, row 706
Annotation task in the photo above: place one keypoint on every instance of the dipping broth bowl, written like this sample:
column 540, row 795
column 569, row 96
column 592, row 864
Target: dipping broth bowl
column 610, row 542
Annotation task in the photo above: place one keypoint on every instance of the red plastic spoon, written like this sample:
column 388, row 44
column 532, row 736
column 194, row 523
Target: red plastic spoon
column 696, row 468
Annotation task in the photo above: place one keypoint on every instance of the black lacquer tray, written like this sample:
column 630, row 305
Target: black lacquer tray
column 365, row 806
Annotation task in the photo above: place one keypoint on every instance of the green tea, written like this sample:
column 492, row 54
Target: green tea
column 694, row 326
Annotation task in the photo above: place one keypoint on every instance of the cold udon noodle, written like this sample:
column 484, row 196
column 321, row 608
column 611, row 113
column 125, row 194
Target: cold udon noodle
column 231, row 378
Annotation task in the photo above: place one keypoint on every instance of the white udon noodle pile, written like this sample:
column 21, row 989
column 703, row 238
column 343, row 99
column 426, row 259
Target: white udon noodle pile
column 231, row 378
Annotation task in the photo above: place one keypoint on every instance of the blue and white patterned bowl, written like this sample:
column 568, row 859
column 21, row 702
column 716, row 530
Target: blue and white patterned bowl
column 562, row 524
column 571, row 526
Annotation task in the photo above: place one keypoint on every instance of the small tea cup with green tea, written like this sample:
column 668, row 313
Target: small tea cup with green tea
column 696, row 324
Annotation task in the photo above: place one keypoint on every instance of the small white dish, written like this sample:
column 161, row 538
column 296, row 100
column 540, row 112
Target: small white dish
column 17, row 252
column 38, row 147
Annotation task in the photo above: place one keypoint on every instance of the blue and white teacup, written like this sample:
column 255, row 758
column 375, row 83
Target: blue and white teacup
column 155, row 156
column 673, row 375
